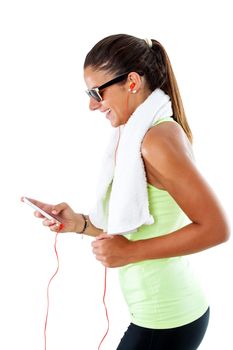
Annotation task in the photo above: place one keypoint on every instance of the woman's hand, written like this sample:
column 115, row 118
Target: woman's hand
column 71, row 221
column 112, row 250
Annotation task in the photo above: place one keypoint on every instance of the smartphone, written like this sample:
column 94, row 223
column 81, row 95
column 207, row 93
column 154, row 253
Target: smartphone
column 44, row 213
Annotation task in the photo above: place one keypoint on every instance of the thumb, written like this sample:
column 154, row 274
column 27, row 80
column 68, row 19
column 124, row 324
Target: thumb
column 103, row 236
column 58, row 208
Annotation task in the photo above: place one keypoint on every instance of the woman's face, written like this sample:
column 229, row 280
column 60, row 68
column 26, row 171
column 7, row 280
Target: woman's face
column 118, row 103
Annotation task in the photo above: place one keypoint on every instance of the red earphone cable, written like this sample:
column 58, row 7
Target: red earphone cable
column 105, row 274
column 55, row 248
column 106, row 310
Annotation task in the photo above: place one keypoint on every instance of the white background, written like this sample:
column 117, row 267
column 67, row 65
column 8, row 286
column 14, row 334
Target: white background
column 51, row 146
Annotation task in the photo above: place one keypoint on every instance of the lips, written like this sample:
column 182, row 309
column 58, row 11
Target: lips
column 108, row 112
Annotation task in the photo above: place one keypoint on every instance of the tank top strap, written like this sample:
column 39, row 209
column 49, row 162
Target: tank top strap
column 167, row 119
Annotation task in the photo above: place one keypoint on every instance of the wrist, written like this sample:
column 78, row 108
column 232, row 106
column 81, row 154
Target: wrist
column 90, row 229
column 86, row 223
column 81, row 223
column 136, row 251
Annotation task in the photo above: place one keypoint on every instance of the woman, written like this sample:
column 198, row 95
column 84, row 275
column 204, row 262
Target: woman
column 167, row 306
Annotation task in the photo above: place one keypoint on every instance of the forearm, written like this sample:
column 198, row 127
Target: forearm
column 91, row 230
column 190, row 239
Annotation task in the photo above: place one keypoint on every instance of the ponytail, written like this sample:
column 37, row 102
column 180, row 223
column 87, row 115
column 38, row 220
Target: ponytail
column 171, row 88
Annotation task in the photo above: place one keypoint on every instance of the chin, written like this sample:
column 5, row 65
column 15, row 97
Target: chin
column 116, row 121
column 116, row 124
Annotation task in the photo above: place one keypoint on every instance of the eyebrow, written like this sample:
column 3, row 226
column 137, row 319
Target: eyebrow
column 95, row 87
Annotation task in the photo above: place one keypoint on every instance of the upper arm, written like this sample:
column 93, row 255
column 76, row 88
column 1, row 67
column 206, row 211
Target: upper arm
column 166, row 151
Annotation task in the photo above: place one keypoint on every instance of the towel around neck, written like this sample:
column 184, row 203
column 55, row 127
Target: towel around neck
column 128, row 203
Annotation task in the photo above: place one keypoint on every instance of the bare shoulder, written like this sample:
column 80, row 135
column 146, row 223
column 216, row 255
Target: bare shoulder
column 167, row 153
column 164, row 139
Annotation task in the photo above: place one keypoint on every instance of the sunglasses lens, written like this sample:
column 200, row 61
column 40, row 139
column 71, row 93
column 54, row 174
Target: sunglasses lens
column 94, row 94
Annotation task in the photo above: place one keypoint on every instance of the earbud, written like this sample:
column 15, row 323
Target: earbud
column 131, row 86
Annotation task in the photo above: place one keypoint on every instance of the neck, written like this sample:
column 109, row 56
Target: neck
column 137, row 99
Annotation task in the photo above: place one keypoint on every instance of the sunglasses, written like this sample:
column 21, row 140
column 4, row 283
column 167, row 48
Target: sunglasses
column 96, row 92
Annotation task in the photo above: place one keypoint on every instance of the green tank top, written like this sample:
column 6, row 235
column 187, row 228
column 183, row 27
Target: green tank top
column 161, row 293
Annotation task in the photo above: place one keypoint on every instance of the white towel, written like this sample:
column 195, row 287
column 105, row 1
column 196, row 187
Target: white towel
column 128, row 204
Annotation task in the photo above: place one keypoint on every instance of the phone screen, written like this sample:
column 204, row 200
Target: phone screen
column 44, row 213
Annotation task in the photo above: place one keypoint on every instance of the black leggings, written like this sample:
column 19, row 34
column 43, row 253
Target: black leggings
column 187, row 337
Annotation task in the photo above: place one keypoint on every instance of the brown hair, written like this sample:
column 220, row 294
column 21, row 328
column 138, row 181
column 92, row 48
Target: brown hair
column 122, row 53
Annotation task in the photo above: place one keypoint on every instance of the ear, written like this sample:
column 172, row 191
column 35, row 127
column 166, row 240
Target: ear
column 135, row 81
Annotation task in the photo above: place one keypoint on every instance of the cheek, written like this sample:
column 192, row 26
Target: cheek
column 119, row 106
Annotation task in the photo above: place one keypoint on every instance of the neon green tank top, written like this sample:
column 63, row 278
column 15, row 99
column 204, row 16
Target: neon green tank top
column 161, row 293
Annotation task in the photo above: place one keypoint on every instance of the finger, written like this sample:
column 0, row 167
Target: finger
column 98, row 242
column 95, row 248
column 38, row 214
column 103, row 236
column 98, row 256
column 95, row 244
column 59, row 207
column 55, row 227
column 47, row 222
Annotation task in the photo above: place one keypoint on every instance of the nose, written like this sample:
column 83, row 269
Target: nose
column 93, row 104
